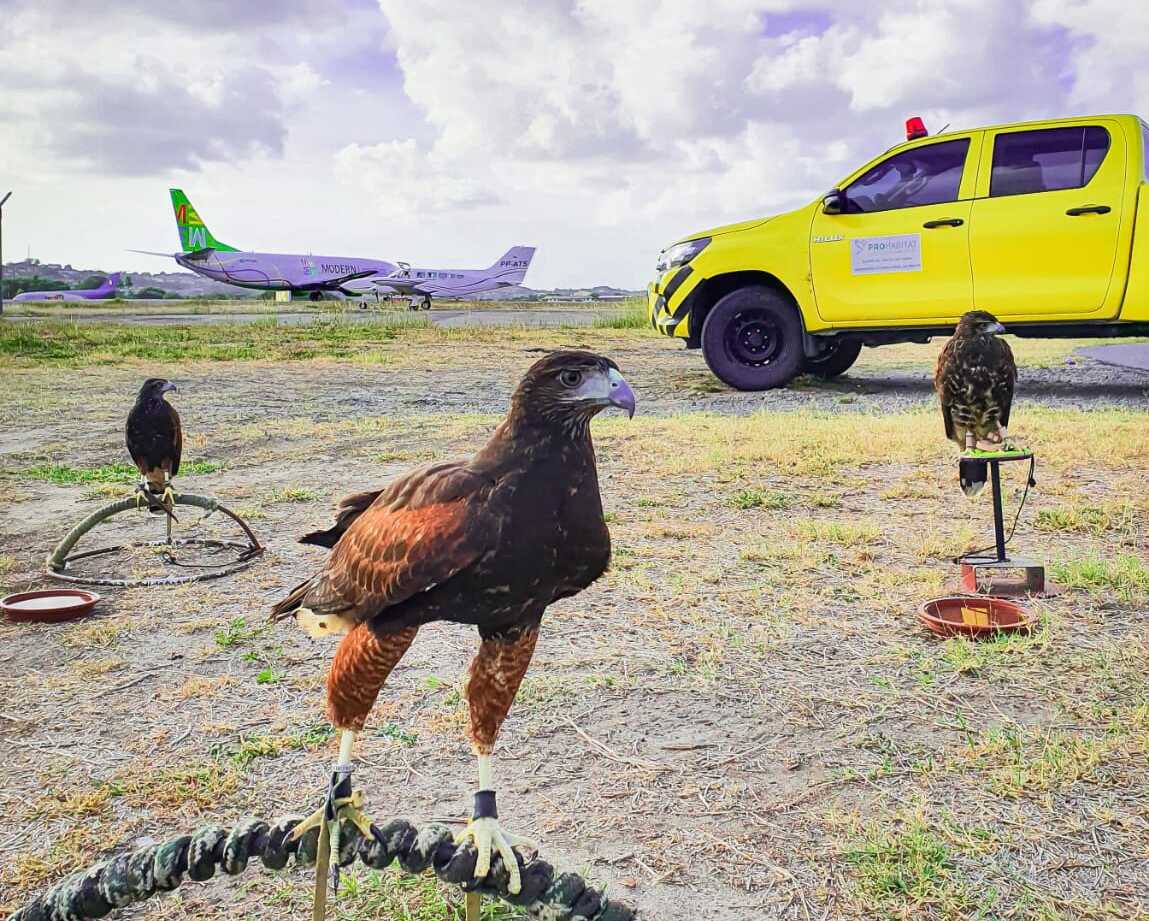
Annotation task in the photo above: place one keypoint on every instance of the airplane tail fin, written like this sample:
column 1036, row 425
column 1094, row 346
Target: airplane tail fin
column 513, row 264
column 194, row 234
column 113, row 280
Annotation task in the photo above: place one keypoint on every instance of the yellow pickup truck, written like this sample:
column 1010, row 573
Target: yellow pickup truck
column 1044, row 224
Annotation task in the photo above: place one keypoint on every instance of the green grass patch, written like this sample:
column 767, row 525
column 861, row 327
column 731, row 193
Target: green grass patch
column 236, row 633
column 1086, row 519
column 908, row 867
column 1025, row 761
column 1125, row 576
column 367, row 895
column 756, row 498
column 632, row 316
column 84, row 344
column 292, row 494
column 67, row 475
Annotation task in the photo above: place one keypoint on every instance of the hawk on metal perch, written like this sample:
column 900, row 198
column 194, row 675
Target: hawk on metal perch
column 155, row 441
column 491, row 541
column 975, row 377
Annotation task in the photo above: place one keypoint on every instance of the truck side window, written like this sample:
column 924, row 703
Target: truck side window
column 1046, row 160
column 925, row 175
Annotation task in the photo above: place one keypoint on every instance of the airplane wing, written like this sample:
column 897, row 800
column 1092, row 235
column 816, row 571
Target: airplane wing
column 151, row 252
column 331, row 283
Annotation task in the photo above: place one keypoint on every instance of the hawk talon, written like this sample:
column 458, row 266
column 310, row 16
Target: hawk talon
column 345, row 807
column 490, row 838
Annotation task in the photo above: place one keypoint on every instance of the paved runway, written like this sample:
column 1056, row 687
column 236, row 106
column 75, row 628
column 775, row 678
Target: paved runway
column 1134, row 355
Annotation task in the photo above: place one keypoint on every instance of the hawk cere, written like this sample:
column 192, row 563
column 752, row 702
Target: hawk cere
column 492, row 542
column 154, row 438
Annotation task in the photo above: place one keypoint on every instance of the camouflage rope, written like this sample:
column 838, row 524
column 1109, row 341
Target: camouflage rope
column 140, row 874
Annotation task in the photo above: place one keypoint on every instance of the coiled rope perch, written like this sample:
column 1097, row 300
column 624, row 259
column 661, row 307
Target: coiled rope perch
column 140, row 874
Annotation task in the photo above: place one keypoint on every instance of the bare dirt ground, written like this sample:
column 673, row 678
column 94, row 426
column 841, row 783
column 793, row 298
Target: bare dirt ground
column 742, row 719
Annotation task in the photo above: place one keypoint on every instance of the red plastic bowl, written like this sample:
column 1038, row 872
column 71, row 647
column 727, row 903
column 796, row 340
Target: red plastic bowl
column 974, row 615
column 48, row 605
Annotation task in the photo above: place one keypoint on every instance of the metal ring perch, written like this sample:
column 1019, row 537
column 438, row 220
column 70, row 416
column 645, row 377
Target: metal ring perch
column 245, row 553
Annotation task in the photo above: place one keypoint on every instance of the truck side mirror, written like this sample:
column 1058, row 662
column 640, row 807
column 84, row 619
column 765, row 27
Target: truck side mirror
column 834, row 202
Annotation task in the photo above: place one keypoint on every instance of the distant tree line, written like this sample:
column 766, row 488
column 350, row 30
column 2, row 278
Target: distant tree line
column 14, row 286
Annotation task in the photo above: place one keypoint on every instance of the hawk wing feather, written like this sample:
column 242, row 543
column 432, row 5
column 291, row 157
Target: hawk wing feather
column 346, row 513
column 155, row 439
column 425, row 528
column 1005, row 376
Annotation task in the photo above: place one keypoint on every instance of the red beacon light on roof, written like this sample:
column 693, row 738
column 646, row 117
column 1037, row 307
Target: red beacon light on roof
column 915, row 128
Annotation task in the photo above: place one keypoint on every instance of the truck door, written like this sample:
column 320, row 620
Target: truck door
column 900, row 249
column 1045, row 228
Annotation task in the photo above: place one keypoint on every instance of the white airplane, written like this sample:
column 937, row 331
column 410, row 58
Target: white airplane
column 422, row 284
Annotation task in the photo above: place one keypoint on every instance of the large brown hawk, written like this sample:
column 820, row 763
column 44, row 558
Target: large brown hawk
column 155, row 440
column 974, row 380
column 491, row 541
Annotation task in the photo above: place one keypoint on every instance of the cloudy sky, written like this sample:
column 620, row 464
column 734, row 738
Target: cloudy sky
column 444, row 132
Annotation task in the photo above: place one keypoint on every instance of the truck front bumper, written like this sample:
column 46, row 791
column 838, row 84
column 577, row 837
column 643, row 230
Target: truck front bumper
column 668, row 302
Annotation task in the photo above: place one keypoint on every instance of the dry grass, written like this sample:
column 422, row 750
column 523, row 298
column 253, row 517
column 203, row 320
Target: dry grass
column 742, row 719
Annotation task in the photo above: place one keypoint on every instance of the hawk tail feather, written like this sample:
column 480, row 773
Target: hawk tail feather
column 971, row 475
column 286, row 607
column 328, row 538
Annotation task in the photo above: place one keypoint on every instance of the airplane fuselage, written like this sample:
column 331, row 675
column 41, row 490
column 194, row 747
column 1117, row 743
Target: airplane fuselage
column 454, row 282
column 93, row 295
column 107, row 288
column 281, row 271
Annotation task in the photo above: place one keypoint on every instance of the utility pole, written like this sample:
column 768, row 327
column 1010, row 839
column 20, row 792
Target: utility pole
column 2, row 200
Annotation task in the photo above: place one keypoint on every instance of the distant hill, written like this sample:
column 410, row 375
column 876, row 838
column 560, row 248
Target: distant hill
column 174, row 284
column 188, row 284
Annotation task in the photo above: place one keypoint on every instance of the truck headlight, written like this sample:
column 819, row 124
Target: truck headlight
column 681, row 253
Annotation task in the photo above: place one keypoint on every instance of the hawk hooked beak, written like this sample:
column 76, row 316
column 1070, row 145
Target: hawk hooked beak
column 620, row 393
column 169, row 387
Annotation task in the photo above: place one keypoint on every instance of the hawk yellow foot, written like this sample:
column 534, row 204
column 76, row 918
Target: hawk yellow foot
column 346, row 807
column 169, row 497
column 490, row 838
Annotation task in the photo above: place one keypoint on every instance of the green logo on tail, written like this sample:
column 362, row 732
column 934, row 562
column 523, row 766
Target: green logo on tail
column 194, row 234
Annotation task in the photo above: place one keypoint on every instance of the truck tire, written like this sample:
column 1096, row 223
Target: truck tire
column 752, row 339
column 838, row 358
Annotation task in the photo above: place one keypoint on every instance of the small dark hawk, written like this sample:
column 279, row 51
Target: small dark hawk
column 155, row 440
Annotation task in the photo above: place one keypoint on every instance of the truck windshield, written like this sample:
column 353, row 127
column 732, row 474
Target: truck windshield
column 925, row 175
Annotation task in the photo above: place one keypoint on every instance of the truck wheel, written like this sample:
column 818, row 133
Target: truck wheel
column 752, row 339
column 837, row 358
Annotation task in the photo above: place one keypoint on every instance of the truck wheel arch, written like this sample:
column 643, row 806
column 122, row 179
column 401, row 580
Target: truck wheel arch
column 712, row 290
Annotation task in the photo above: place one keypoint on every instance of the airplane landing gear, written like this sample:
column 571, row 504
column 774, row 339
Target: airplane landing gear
column 427, row 302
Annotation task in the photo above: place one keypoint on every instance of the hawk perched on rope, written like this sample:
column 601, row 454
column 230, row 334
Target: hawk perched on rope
column 975, row 377
column 155, row 440
column 492, row 542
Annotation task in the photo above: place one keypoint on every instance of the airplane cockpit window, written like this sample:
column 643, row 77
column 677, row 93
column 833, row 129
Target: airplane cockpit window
column 925, row 175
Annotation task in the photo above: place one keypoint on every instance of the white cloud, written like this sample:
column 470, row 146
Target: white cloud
column 405, row 181
column 597, row 129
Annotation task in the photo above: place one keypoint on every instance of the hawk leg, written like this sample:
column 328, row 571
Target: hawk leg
column 361, row 665
column 496, row 672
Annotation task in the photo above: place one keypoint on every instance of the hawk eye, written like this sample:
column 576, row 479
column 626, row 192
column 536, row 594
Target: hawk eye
column 570, row 377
